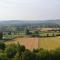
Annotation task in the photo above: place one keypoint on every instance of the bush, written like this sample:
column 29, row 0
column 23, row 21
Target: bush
column 20, row 48
column 3, row 56
column 2, row 46
column 11, row 50
column 1, row 35
column 28, row 55
column 19, row 52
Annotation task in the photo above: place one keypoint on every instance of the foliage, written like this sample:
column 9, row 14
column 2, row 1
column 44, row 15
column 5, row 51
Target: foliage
column 1, row 35
column 3, row 56
column 2, row 46
column 11, row 50
column 27, row 32
column 28, row 55
column 19, row 52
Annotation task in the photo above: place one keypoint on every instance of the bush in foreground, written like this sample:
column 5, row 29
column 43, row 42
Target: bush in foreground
column 19, row 52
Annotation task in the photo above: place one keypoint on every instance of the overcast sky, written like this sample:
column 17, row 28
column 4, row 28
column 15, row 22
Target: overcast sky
column 29, row 9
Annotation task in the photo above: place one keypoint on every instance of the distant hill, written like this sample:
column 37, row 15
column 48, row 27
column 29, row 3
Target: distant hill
column 15, row 22
column 17, row 25
column 53, row 21
column 28, row 22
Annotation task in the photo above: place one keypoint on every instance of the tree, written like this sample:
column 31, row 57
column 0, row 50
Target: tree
column 47, row 35
column 28, row 55
column 17, row 57
column 1, row 35
column 35, row 34
column 3, row 56
column 42, row 54
column 53, row 35
column 11, row 50
column 9, row 33
column 20, row 49
column 27, row 32
column 2, row 46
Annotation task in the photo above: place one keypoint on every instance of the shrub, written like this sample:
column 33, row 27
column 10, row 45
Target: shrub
column 11, row 50
column 20, row 48
column 3, row 56
column 28, row 55
column 2, row 46
column 1, row 35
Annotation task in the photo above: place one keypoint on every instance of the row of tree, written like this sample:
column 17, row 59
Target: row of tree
column 19, row 52
column 37, row 34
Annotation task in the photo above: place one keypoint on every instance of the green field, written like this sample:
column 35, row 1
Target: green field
column 7, row 36
column 49, row 33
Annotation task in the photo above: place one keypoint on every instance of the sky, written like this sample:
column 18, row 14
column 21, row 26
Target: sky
column 29, row 9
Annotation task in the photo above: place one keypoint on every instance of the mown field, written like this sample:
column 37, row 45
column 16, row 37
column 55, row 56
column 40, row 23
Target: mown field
column 30, row 43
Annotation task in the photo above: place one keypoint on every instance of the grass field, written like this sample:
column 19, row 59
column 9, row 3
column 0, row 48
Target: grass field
column 30, row 43
column 9, row 36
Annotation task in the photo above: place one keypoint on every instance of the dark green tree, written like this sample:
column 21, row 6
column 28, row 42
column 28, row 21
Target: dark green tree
column 28, row 55
column 20, row 49
column 2, row 46
column 37, row 33
column 11, row 50
column 1, row 35
column 27, row 32
column 3, row 56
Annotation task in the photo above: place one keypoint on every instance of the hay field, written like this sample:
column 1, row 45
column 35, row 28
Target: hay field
column 30, row 43
column 49, row 42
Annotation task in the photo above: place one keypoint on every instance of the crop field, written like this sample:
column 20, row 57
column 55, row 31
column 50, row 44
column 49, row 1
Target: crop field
column 30, row 43
column 49, row 42
column 43, row 41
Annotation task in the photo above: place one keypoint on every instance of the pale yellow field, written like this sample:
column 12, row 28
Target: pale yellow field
column 30, row 43
column 49, row 43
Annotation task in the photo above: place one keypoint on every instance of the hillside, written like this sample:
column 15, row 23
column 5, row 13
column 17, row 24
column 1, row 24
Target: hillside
column 17, row 25
column 15, row 22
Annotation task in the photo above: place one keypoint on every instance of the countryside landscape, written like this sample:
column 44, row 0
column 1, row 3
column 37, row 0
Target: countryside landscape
column 30, row 40
column 32, row 34
column 29, row 29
